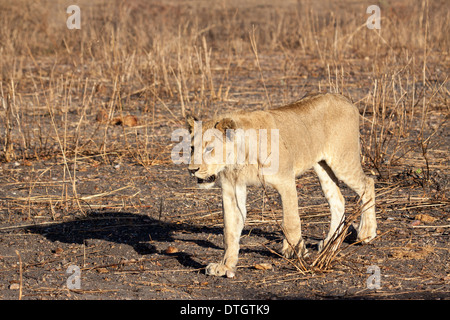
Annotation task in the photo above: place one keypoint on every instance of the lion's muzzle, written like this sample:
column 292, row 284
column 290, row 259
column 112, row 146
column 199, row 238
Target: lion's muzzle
column 209, row 179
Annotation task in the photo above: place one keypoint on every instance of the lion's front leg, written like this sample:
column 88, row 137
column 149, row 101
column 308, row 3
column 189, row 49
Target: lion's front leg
column 293, row 243
column 234, row 218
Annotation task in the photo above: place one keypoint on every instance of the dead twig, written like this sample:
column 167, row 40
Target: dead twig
column 20, row 275
column 331, row 248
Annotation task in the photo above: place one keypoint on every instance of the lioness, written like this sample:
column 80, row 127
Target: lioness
column 320, row 131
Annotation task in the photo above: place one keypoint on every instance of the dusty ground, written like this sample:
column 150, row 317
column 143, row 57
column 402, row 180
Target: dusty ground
column 108, row 200
column 153, row 240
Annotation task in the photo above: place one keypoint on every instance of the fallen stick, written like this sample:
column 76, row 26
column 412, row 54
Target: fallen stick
column 443, row 226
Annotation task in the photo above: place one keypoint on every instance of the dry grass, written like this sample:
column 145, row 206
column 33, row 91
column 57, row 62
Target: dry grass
column 149, row 56
column 157, row 60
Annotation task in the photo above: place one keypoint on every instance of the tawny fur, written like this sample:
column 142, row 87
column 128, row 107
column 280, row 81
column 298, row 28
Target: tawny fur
column 319, row 131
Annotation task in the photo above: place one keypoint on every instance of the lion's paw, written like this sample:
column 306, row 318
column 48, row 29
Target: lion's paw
column 289, row 252
column 366, row 235
column 219, row 269
column 367, row 230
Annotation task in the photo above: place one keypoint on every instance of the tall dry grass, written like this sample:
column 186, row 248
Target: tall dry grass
column 162, row 59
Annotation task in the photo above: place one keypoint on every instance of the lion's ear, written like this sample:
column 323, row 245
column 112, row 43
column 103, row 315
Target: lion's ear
column 225, row 124
column 190, row 122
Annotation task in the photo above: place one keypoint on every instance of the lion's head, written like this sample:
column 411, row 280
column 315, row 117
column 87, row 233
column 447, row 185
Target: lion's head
column 209, row 152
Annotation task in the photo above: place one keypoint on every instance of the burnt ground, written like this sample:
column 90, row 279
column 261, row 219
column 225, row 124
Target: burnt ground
column 148, row 234
column 142, row 230
column 117, row 208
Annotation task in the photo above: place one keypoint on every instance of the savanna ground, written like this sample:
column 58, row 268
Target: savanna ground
column 82, row 184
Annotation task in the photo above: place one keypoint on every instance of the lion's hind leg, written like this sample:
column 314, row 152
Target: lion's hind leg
column 330, row 187
column 351, row 173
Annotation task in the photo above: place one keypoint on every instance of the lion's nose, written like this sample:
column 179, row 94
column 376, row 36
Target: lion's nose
column 192, row 171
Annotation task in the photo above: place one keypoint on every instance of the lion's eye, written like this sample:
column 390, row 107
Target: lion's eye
column 209, row 149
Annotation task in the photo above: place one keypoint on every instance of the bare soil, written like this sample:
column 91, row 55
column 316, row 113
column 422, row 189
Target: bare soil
column 153, row 240
column 79, row 190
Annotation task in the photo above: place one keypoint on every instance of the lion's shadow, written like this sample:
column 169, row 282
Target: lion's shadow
column 136, row 230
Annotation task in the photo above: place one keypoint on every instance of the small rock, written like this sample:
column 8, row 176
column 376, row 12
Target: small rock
column 102, row 270
column 415, row 223
column 263, row 266
column 130, row 121
column 425, row 218
column 58, row 250
column 14, row 286
column 171, row 250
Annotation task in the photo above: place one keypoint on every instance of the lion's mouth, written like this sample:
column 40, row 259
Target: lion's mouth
column 206, row 180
